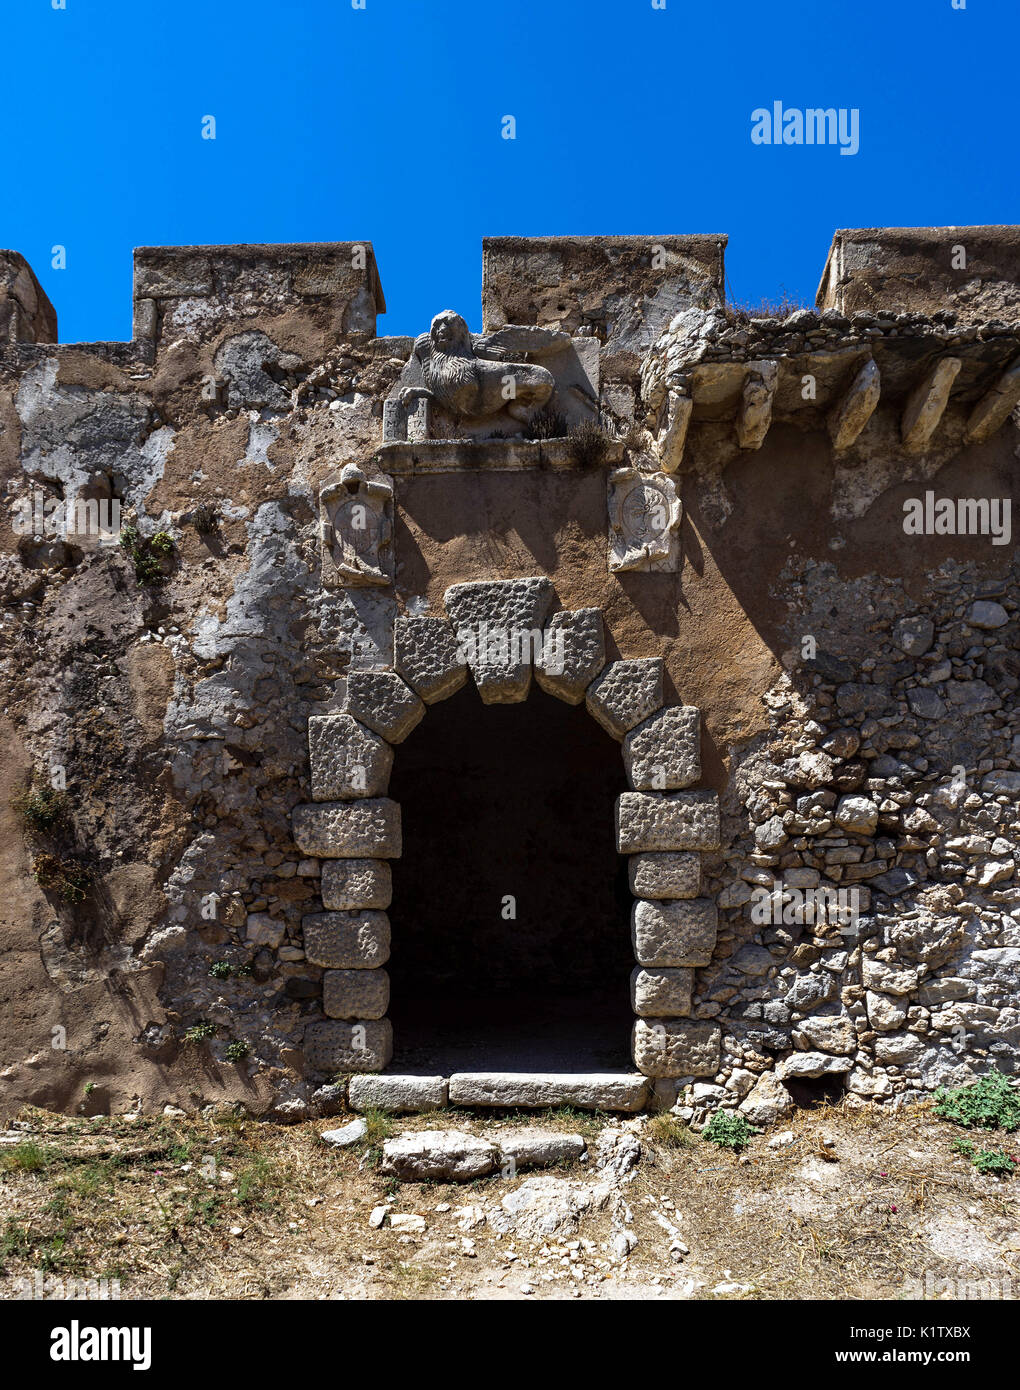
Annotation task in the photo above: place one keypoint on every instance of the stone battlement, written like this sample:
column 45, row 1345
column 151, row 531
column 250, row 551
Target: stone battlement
column 622, row 290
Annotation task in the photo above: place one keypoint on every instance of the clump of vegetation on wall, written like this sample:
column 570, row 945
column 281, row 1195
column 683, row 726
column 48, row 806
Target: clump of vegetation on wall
column 547, row 424
column 42, row 809
column 590, row 444
column 68, row 877
column 150, row 554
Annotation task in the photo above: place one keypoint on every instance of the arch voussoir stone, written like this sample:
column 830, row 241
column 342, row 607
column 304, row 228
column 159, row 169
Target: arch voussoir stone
column 573, row 653
column 626, row 693
column 427, row 655
column 385, row 703
column 496, row 622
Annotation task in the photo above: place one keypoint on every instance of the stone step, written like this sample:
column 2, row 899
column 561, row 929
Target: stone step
column 618, row 1091
column 626, row 1091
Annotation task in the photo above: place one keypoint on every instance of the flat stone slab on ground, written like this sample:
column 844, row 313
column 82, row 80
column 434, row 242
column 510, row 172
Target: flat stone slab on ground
column 398, row 1094
column 438, row 1155
column 539, row 1148
column 545, row 1205
column 345, row 1136
column 535, row 1090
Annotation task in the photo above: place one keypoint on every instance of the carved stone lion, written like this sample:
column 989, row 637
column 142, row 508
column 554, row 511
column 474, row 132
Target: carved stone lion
column 469, row 387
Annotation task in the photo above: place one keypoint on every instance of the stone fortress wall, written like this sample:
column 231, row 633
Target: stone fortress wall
column 776, row 552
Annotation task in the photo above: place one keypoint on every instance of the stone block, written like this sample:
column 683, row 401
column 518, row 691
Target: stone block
column 354, row 994
column 665, row 875
column 677, row 934
column 534, row 1090
column 650, row 821
column 661, row 993
column 573, row 654
column 664, row 752
column 626, row 693
column 348, row 884
column 185, row 276
column 263, row 930
column 398, row 1094
column 498, row 625
column 362, row 1045
column 347, row 940
column 426, row 654
column 539, row 1148
column 385, row 703
column 676, row 1049
column 438, row 1155
column 347, row 759
column 348, row 829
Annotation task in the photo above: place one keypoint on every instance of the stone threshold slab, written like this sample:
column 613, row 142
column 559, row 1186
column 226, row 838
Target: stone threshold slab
column 622, row 1091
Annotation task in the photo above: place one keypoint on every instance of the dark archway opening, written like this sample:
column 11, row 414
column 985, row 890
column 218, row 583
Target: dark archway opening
column 509, row 807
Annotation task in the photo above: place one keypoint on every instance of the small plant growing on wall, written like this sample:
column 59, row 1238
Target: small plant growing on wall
column 590, row 444
column 150, row 554
column 547, row 424
column 200, row 1032
column 69, row 878
column 205, row 519
column 237, row 1051
column 42, row 809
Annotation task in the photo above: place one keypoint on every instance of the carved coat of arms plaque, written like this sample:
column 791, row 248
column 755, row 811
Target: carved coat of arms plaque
column 644, row 521
column 357, row 530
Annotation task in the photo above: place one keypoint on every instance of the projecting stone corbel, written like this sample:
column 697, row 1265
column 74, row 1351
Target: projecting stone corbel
column 755, row 412
column 671, row 450
column 994, row 407
column 848, row 418
column 927, row 403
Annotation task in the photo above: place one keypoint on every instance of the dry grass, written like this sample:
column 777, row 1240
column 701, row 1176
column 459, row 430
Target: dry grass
column 241, row 1209
column 743, row 311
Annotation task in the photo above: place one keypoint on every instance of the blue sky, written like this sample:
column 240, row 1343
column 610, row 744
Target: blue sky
column 384, row 124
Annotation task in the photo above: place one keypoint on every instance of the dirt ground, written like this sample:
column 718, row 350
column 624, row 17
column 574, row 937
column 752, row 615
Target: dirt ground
column 860, row 1204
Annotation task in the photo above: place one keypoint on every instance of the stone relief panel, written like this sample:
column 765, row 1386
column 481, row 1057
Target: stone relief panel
column 357, row 530
column 504, row 384
column 644, row 521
